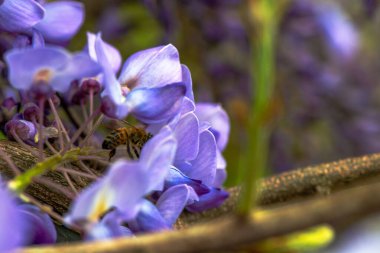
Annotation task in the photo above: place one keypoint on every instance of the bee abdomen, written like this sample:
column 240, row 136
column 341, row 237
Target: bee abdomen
column 115, row 138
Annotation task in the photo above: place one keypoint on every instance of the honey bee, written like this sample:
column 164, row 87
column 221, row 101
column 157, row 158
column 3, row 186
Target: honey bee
column 133, row 137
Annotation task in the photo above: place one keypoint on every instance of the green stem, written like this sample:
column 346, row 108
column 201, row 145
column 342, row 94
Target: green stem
column 19, row 183
column 253, row 163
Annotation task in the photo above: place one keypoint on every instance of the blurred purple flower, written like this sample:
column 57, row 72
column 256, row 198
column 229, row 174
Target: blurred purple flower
column 340, row 32
column 56, row 22
column 24, row 129
column 126, row 183
column 150, row 85
column 11, row 224
column 61, row 21
column 48, row 68
column 39, row 226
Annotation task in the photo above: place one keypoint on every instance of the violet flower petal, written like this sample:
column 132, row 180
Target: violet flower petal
column 156, row 105
column 172, row 202
column 112, row 54
column 20, row 15
column 79, row 66
column 152, row 67
column 40, row 227
column 218, row 118
column 122, row 187
column 210, row 200
column 37, row 39
column 186, row 78
column 10, row 218
column 24, row 63
column 204, row 166
column 176, row 177
column 109, row 227
column 186, row 133
column 156, row 157
column 62, row 20
column 148, row 219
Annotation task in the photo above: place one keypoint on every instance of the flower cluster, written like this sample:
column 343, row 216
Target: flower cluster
column 180, row 167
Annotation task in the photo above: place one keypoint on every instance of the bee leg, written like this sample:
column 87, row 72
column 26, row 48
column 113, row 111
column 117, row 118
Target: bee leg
column 111, row 154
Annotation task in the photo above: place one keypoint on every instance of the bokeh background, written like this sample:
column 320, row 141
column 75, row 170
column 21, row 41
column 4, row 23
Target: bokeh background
column 327, row 90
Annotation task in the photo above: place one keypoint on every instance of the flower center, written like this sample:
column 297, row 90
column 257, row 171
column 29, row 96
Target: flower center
column 43, row 76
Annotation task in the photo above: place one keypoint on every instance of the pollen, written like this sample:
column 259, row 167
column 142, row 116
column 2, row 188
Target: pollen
column 43, row 75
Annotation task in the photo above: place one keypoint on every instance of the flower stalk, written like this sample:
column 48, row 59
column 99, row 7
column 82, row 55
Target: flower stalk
column 253, row 163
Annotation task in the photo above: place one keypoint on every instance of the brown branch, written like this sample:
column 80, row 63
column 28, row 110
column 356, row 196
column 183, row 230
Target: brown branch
column 279, row 188
column 231, row 231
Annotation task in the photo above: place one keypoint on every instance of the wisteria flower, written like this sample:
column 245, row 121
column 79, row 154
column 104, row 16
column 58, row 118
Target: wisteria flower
column 56, row 22
column 150, row 84
column 126, row 183
column 47, row 68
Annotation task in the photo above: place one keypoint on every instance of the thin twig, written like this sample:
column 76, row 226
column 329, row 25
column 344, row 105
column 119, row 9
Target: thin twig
column 68, row 179
column 74, row 172
column 11, row 164
column 59, row 121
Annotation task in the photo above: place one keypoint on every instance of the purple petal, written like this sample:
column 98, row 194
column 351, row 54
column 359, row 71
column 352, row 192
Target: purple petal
column 204, row 166
column 24, row 63
column 38, row 39
column 212, row 199
column 79, row 66
column 172, row 202
column 112, row 54
column 186, row 78
column 123, row 187
column 156, row 105
column 10, row 218
column 156, row 157
column 148, row 219
column 40, row 228
column 20, row 15
column 186, row 133
column 113, row 101
column 187, row 106
column 109, row 227
column 221, row 173
column 62, row 20
column 151, row 68
column 176, row 177
column 218, row 118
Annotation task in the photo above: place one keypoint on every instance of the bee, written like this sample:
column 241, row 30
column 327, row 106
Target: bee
column 133, row 137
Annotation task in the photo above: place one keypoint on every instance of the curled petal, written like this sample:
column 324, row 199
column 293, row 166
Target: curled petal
column 176, row 177
column 38, row 39
column 186, row 133
column 156, row 105
column 212, row 199
column 186, row 78
column 112, row 54
column 154, row 67
column 20, row 15
column 148, row 219
column 62, row 20
column 218, row 118
column 172, row 202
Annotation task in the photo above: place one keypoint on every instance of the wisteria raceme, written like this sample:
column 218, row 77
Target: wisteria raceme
column 180, row 167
